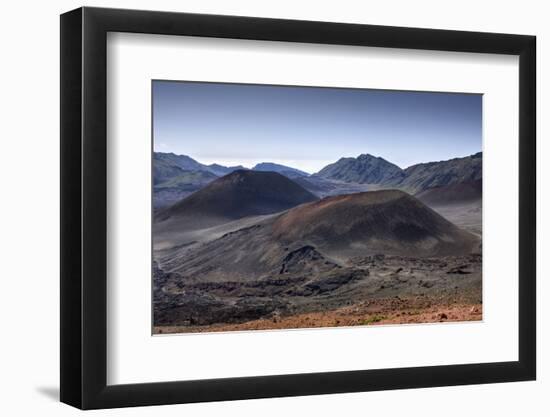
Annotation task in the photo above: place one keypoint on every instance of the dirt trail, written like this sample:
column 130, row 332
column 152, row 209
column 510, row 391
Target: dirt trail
column 379, row 312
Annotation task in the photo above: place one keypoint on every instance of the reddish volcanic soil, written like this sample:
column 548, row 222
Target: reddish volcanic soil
column 376, row 312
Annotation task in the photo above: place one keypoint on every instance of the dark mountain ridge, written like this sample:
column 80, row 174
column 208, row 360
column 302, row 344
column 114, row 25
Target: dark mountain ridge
column 368, row 169
column 177, row 176
column 239, row 194
column 186, row 163
column 420, row 177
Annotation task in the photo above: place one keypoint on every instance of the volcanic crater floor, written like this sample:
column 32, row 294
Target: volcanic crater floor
column 374, row 290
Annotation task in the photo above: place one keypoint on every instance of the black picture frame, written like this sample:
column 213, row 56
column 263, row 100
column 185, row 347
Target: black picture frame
column 84, row 207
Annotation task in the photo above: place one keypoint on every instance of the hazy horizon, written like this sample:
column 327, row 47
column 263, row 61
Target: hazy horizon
column 310, row 127
column 250, row 166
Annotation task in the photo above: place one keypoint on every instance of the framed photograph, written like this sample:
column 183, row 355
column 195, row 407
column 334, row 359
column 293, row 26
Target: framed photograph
column 257, row 208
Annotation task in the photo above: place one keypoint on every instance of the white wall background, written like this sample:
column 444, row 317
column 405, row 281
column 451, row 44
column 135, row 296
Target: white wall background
column 29, row 225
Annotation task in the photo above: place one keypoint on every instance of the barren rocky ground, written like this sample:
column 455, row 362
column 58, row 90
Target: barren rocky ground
column 380, row 257
column 368, row 313
column 381, row 289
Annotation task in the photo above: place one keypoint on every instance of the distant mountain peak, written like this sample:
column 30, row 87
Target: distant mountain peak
column 365, row 169
column 370, row 169
column 368, row 156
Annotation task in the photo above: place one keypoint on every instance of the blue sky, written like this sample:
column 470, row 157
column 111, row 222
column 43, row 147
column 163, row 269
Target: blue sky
column 310, row 127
